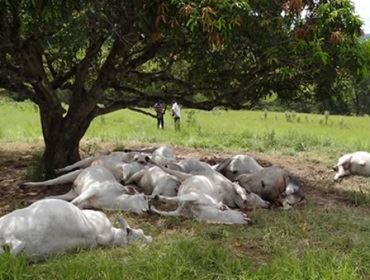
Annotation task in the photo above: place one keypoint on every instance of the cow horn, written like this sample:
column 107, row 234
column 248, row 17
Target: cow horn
column 123, row 222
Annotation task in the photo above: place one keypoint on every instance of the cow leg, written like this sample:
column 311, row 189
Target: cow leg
column 222, row 165
column 176, row 199
column 64, row 179
column 104, row 239
column 177, row 212
column 15, row 246
column 182, row 198
column 135, row 177
column 77, row 165
column 82, row 200
column 67, row 196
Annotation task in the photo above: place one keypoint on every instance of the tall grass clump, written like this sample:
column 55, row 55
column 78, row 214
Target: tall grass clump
column 358, row 198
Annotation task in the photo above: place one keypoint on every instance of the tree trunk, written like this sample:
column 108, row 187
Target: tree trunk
column 60, row 151
column 62, row 136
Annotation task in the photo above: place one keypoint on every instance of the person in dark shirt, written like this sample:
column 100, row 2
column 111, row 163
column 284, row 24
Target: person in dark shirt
column 160, row 110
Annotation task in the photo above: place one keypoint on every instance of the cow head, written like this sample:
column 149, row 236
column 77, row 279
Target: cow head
column 222, row 215
column 139, row 203
column 247, row 200
column 292, row 194
column 133, row 235
column 343, row 167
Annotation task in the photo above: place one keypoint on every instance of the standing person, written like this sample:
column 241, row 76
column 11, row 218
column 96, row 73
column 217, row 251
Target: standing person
column 176, row 115
column 160, row 110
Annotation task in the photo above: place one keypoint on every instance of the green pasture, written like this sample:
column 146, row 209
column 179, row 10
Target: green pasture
column 217, row 129
column 313, row 242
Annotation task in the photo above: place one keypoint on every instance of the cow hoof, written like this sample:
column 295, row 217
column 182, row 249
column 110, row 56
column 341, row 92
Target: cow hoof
column 247, row 220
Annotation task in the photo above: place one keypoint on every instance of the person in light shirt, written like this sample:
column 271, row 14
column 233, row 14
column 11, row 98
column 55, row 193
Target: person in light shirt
column 176, row 114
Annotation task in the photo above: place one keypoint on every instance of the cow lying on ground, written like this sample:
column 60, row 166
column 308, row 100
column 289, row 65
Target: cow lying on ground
column 123, row 164
column 51, row 226
column 199, row 197
column 193, row 166
column 237, row 165
column 155, row 181
column 275, row 185
column 357, row 163
column 107, row 159
column 223, row 184
column 96, row 187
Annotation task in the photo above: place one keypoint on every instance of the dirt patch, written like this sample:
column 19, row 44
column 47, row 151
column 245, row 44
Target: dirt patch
column 317, row 177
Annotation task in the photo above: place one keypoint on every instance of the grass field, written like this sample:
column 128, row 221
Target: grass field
column 218, row 129
column 314, row 242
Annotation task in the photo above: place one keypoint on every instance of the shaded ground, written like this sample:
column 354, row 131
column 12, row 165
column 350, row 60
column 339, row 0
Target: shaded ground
column 317, row 177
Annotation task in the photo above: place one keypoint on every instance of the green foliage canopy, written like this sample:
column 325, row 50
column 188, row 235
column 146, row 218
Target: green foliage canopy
column 101, row 56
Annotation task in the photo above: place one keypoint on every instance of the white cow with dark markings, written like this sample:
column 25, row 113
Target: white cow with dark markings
column 275, row 185
column 357, row 163
column 52, row 226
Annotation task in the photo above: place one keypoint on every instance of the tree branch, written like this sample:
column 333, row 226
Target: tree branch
column 147, row 54
column 82, row 68
column 142, row 112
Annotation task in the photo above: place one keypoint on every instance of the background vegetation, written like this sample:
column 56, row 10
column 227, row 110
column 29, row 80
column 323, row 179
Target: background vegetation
column 285, row 132
column 102, row 56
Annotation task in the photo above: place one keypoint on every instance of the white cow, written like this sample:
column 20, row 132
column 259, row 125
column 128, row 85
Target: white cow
column 96, row 187
column 155, row 181
column 193, row 166
column 121, row 164
column 164, row 155
column 201, row 198
column 51, row 226
column 357, row 163
column 237, row 165
column 223, row 184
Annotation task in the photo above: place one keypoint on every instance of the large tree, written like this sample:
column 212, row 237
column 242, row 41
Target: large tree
column 80, row 59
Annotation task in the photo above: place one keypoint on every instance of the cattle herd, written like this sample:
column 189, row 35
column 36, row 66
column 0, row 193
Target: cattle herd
column 150, row 180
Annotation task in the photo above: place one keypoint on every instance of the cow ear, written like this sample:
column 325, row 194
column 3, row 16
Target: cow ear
column 263, row 184
column 123, row 223
column 347, row 164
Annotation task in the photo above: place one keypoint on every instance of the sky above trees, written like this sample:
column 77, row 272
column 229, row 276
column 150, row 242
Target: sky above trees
column 362, row 8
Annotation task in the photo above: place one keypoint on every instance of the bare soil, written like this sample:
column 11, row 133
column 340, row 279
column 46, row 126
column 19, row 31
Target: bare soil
column 317, row 177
